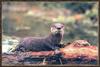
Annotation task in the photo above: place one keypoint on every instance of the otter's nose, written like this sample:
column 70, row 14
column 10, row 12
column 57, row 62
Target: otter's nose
column 58, row 28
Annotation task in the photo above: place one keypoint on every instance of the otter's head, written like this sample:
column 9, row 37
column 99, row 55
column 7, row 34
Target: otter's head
column 57, row 28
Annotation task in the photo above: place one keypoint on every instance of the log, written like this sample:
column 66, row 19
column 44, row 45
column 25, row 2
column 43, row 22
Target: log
column 74, row 53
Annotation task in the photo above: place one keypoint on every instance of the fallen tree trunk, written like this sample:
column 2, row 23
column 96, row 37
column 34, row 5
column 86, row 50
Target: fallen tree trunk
column 71, row 54
column 80, row 51
column 90, row 52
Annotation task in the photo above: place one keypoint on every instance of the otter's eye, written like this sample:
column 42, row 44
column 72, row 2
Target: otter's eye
column 86, row 44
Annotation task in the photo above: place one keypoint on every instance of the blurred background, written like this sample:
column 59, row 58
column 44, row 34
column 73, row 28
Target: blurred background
column 22, row 19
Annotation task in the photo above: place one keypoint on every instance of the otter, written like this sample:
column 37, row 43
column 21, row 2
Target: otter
column 48, row 43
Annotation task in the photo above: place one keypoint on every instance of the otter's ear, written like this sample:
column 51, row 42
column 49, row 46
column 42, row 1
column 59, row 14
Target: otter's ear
column 62, row 26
